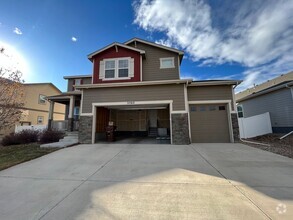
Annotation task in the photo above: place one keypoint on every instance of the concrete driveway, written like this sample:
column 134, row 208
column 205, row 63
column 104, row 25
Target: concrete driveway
column 200, row 181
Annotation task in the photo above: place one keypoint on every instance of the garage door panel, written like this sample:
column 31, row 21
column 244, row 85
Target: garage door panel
column 209, row 123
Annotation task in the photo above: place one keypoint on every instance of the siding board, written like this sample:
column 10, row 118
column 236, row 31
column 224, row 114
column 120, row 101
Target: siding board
column 151, row 64
column 278, row 103
column 135, row 93
column 205, row 93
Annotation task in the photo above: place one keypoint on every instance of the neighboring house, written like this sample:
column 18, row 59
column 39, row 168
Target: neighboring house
column 276, row 99
column 137, row 87
column 36, row 107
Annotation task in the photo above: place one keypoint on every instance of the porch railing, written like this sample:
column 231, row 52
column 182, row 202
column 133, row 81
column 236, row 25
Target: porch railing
column 63, row 125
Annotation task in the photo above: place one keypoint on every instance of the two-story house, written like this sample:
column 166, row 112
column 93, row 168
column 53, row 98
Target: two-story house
column 137, row 87
column 36, row 107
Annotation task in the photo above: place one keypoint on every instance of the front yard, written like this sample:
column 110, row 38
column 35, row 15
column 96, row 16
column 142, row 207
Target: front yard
column 15, row 154
column 283, row 147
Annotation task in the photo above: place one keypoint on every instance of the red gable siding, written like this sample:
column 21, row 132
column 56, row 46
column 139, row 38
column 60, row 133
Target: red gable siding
column 111, row 53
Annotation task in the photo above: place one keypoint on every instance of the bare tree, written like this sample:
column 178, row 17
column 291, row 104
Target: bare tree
column 11, row 96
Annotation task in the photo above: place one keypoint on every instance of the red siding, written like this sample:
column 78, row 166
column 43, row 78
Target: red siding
column 111, row 53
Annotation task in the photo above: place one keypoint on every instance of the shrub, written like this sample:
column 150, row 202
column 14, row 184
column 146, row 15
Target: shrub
column 49, row 136
column 10, row 139
column 23, row 137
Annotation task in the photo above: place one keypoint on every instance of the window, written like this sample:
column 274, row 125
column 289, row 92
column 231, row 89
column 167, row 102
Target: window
column 77, row 82
column 117, row 68
column 240, row 111
column 167, row 63
column 110, row 69
column 212, row 108
column 76, row 110
column 193, row 108
column 222, row 108
column 122, row 68
column 202, row 108
column 42, row 99
column 40, row 120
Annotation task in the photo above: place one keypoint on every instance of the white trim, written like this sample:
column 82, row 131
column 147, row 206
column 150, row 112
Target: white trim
column 230, row 124
column 77, row 76
column 167, row 58
column 179, row 67
column 86, row 114
column 211, row 102
column 71, row 106
column 215, row 82
column 228, row 103
column 81, row 102
column 143, row 83
column 105, row 104
column 179, row 112
column 90, row 56
column 94, row 125
column 140, row 67
column 187, row 109
column 233, row 99
column 116, row 68
column 155, row 45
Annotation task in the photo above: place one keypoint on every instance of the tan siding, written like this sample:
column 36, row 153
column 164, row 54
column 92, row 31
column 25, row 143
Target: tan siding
column 84, row 81
column 205, row 93
column 141, row 93
column 151, row 64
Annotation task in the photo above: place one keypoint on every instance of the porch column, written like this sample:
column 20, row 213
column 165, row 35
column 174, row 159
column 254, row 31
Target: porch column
column 70, row 114
column 51, row 115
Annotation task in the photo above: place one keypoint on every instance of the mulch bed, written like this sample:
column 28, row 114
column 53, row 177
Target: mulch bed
column 283, row 147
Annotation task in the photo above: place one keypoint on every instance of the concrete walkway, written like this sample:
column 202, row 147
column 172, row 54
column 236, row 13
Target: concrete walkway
column 202, row 181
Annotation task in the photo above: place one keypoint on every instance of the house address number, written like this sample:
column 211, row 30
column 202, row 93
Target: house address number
column 130, row 102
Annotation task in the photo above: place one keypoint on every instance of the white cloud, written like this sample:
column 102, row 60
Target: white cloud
column 74, row 39
column 17, row 31
column 258, row 36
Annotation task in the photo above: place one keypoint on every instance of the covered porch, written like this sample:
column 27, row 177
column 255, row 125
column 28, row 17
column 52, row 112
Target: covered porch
column 72, row 102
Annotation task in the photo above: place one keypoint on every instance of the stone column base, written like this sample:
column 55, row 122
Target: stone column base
column 180, row 129
column 235, row 127
column 85, row 129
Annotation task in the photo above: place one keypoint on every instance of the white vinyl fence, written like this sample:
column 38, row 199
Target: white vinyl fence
column 19, row 128
column 255, row 126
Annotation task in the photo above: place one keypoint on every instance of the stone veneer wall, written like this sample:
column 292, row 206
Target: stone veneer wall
column 85, row 129
column 180, row 129
column 235, row 126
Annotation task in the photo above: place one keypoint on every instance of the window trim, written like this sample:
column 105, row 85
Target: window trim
column 240, row 105
column 167, row 58
column 116, row 69
column 40, row 99
column 38, row 120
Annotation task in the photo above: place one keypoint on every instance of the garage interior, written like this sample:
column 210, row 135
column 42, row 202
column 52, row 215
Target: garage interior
column 149, row 124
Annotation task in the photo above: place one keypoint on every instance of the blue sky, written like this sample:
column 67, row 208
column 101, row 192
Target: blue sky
column 248, row 40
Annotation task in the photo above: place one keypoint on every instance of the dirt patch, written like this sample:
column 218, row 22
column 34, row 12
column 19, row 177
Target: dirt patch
column 283, row 147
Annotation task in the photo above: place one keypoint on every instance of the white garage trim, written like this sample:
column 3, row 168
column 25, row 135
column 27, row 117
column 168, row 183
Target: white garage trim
column 105, row 104
column 228, row 102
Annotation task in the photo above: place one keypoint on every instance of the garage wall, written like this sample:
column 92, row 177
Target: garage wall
column 205, row 93
column 135, row 93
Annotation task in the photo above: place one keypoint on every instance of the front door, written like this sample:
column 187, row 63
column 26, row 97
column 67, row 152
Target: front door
column 102, row 119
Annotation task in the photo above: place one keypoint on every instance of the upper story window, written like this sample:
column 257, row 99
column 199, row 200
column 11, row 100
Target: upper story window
column 167, row 62
column 115, row 69
column 42, row 99
column 77, row 82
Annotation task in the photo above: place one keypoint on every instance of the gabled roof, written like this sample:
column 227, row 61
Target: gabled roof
column 268, row 90
column 180, row 52
column 90, row 56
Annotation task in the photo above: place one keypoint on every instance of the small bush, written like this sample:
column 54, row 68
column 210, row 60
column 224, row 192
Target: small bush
column 23, row 137
column 49, row 136
column 10, row 139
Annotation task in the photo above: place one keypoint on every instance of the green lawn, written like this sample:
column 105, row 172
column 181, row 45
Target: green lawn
column 12, row 155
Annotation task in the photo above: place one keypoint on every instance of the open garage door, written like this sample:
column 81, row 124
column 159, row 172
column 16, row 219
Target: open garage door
column 209, row 123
